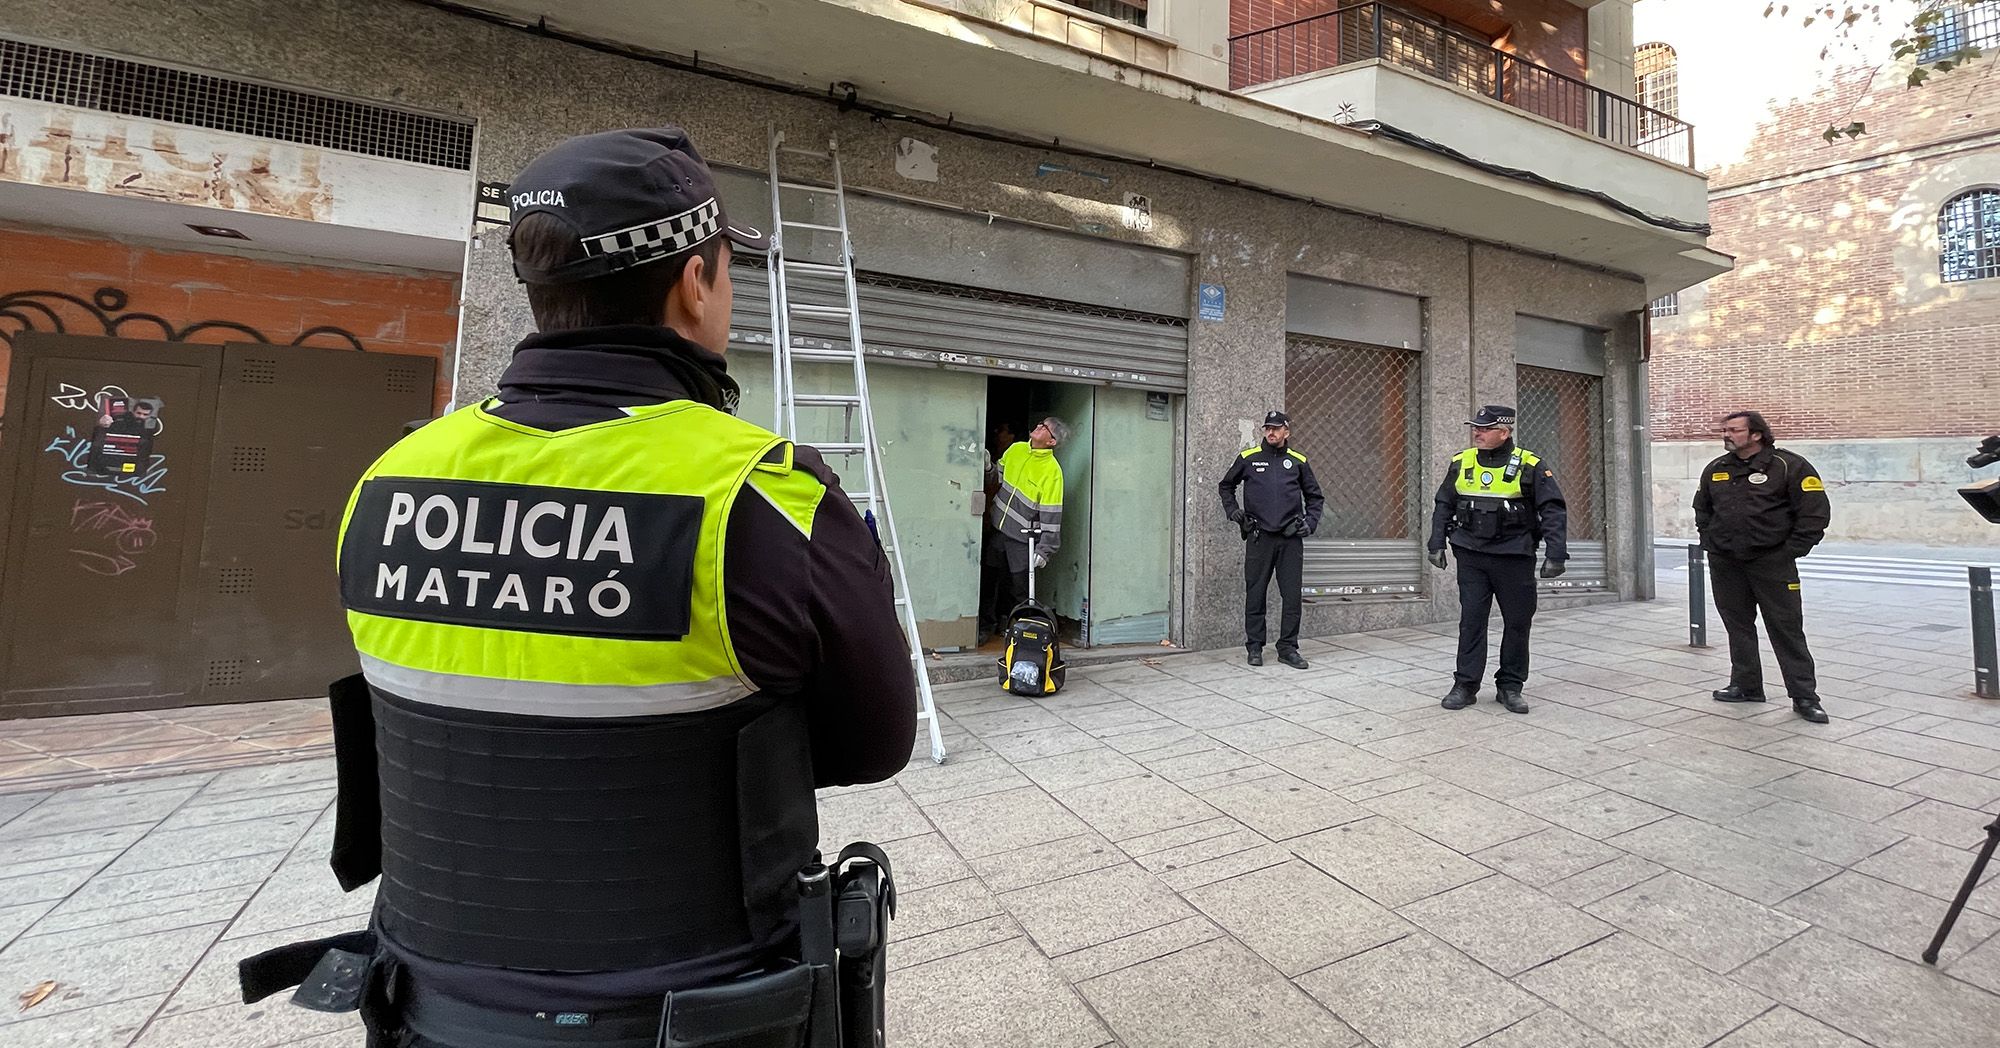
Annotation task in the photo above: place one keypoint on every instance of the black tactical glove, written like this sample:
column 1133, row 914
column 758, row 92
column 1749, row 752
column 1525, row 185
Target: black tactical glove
column 1553, row 568
column 1295, row 529
column 1437, row 559
column 1234, row 514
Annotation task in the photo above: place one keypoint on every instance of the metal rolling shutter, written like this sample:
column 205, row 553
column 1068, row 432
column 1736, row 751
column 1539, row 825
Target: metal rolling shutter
column 923, row 323
column 1356, row 567
column 1352, row 368
column 1560, row 384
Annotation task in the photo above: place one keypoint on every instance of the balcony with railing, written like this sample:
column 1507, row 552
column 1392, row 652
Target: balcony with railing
column 1274, row 61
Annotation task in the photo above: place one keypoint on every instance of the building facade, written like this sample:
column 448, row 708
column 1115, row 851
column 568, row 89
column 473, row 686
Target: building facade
column 1138, row 217
column 1863, row 315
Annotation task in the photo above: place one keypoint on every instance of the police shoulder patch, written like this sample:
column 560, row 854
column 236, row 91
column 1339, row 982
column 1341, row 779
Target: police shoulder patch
column 1247, row 452
column 1295, row 454
column 1719, row 474
column 1812, row 483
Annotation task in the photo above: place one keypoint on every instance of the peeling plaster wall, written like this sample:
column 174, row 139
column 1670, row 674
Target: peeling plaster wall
column 123, row 156
column 526, row 93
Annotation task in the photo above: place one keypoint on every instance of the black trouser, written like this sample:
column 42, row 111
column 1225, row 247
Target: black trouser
column 1768, row 584
column 1000, row 590
column 1265, row 554
column 1482, row 579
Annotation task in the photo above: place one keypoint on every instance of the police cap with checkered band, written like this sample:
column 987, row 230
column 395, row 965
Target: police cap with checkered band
column 632, row 197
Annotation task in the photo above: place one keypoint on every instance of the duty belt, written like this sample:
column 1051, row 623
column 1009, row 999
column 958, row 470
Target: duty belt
column 834, row 996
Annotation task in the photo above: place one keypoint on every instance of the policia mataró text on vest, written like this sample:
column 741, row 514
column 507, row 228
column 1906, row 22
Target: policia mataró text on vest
column 611, row 639
column 1496, row 506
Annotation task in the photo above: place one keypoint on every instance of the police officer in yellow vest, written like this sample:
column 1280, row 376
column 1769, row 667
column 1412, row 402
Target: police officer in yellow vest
column 613, row 637
column 1498, row 503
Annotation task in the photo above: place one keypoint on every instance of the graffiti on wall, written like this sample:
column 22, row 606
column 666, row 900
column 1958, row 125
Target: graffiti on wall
column 110, row 539
column 103, row 313
column 118, row 455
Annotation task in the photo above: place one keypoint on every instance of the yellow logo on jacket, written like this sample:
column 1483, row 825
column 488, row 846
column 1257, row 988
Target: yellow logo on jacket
column 1718, row 475
column 1811, row 484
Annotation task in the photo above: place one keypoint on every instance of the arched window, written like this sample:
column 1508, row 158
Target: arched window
column 1969, row 236
column 1658, row 77
column 1657, row 87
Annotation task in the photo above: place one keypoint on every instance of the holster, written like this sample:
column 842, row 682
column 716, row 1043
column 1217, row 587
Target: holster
column 864, row 901
column 341, row 973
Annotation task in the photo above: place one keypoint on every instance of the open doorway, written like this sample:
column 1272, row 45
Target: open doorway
column 1013, row 408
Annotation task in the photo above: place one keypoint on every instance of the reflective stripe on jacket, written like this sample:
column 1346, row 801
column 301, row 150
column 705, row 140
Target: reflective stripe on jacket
column 1031, row 492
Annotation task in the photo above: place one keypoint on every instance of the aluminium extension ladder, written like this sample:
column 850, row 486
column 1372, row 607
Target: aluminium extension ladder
column 786, row 272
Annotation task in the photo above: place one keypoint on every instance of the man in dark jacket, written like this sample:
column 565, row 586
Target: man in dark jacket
column 1759, row 509
column 1281, row 506
column 1498, row 503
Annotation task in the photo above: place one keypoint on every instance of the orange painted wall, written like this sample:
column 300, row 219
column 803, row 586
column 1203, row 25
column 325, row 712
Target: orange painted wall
column 385, row 311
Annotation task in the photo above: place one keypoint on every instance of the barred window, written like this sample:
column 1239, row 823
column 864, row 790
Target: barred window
column 1969, row 236
column 1358, row 405
column 1658, row 88
column 1657, row 71
column 1562, row 420
column 1963, row 26
column 1667, row 305
column 1132, row 11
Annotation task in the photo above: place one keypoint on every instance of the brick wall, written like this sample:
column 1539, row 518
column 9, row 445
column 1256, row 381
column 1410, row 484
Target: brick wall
column 166, row 292
column 1789, row 139
column 1551, row 33
column 1833, row 322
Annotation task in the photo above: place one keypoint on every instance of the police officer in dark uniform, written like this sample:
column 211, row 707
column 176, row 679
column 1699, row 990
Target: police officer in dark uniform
column 1281, row 506
column 1498, row 503
column 584, row 756
column 1759, row 508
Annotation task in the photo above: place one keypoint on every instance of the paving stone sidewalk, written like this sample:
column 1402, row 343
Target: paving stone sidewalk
column 1188, row 851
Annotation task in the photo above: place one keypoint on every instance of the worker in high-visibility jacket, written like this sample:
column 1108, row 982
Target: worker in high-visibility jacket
column 612, row 636
column 1024, row 522
column 1496, row 507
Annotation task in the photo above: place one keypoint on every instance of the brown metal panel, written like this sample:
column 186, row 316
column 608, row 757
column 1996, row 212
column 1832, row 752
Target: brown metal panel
column 107, row 448
column 295, row 429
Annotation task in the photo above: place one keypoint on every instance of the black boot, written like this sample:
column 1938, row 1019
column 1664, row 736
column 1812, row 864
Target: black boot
column 1292, row 659
column 1734, row 693
column 1511, row 698
column 1460, row 696
column 1256, row 656
column 1808, row 709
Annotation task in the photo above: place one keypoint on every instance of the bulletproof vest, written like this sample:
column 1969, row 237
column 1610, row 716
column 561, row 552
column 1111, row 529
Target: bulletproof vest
column 1491, row 501
column 574, row 773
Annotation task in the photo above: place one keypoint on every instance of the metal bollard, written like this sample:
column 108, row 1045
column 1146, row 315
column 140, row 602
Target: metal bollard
column 1985, row 657
column 1697, row 599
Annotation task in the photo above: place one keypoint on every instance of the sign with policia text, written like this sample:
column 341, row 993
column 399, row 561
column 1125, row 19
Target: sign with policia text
column 609, row 564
